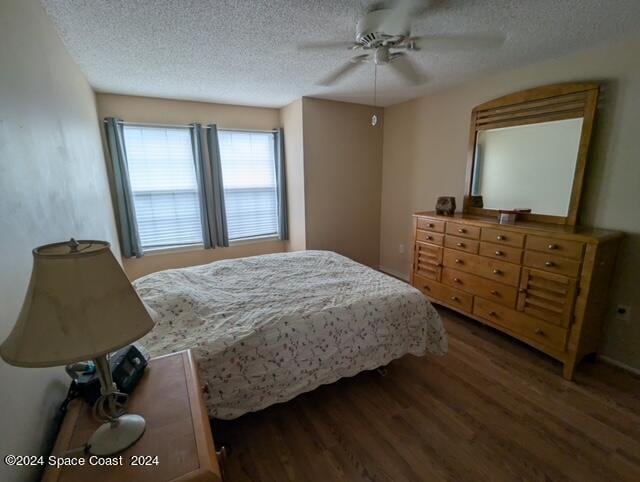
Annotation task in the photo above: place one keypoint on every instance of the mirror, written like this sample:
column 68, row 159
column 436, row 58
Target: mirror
column 528, row 166
column 529, row 150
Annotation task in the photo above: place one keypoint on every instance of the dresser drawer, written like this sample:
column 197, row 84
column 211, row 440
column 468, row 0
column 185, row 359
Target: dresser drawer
column 547, row 296
column 507, row 238
column 491, row 290
column 553, row 264
column 428, row 286
column 445, row 294
column 560, row 247
column 463, row 230
column 504, row 253
column 495, row 270
column 429, row 237
column 461, row 244
column 428, row 260
column 428, row 224
column 529, row 328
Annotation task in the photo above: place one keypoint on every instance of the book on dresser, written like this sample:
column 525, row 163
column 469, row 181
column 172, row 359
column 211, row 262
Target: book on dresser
column 545, row 284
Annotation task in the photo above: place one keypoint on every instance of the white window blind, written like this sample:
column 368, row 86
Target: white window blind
column 249, row 179
column 165, row 189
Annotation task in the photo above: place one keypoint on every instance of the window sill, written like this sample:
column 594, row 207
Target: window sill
column 257, row 239
column 173, row 249
column 197, row 247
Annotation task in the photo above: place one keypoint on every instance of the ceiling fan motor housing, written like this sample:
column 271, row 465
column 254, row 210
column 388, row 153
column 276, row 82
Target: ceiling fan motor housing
column 382, row 28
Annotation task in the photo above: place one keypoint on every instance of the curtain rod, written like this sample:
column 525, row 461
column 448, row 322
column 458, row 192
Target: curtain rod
column 182, row 126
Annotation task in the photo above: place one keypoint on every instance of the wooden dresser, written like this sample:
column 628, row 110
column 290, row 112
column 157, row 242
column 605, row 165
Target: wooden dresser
column 544, row 284
column 178, row 433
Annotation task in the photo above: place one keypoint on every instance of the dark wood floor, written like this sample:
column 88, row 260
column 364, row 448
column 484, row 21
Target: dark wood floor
column 492, row 409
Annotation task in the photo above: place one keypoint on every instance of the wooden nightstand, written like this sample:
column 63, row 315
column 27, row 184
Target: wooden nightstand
column 178, row 432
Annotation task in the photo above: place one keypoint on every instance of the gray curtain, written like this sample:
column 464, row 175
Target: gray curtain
column 125, row 209
column 203, row 173
column 283, row 219
column 221, row 233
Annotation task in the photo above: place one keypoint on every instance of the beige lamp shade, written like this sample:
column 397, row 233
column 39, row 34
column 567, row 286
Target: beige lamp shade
column 79, row 305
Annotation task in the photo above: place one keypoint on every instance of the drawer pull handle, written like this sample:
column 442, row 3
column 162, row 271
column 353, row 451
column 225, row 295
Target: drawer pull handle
column 429, row 238
column 522, row 290
column 553, row 246
column 426, row 288
column 539, row 332
column 500, row 237
column 497, row 271
column 462, row 230
column 430, row 225
column 438, row 265
column 460, row 245
column 549, row 263
column 457, row 280
column 494, row 293
column 499, row 253
column 459, row 261
column 455, row 298
column 493, row 313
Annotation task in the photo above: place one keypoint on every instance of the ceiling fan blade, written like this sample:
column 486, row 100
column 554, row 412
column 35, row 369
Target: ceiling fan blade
column 453, row 42
column 408, row 7
column 330, row 45
column 422, row 7
column 410, row 71
column 337, row 74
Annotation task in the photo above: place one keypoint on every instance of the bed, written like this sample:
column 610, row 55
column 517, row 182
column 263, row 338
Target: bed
column 267, row 328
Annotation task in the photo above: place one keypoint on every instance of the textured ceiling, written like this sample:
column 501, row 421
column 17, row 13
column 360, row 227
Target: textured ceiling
column 243, row 52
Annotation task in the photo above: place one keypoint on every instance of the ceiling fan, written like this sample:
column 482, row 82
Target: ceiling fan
column 384, row 34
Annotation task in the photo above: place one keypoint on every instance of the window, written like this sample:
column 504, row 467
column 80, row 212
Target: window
column 249, row 180
column 164, row 185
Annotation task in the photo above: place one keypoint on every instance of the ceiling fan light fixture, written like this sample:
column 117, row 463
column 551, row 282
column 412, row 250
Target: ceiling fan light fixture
column 381, row 56
column 382, row 26
column 383, row 34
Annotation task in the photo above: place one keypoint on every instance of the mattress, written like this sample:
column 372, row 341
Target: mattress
column 267, row 328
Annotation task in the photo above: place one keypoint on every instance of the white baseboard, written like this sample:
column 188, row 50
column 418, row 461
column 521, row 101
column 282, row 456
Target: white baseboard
column 616, row 363
column 394, row 273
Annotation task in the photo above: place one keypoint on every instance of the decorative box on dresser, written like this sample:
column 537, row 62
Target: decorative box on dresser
column 545, row 284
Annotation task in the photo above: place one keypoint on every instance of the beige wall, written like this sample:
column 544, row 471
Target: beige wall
column 166, row 111
column 425, row 152
column 291, row 117
column 53, row 186
column 342, row 170
column 150, row 263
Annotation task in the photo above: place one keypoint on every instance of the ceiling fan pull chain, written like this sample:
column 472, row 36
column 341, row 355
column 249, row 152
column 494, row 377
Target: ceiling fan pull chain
column 375, row 84
column 374, row 117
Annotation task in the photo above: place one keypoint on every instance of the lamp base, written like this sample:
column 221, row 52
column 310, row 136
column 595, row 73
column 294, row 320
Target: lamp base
column 111, row 438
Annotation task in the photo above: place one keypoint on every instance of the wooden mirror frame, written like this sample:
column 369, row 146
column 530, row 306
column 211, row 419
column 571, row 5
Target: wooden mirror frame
column 542, row 104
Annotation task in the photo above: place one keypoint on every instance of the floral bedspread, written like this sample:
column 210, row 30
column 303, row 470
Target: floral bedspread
column 267, row 328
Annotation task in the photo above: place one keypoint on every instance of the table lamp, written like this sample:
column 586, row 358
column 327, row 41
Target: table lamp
column 81, row 306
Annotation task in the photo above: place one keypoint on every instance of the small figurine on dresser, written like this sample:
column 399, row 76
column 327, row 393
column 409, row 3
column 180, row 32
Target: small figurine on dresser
column 446, row 205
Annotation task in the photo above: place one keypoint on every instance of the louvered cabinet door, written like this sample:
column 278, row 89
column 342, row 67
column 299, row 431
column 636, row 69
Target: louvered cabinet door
column 428, row 261
column 547, row 296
